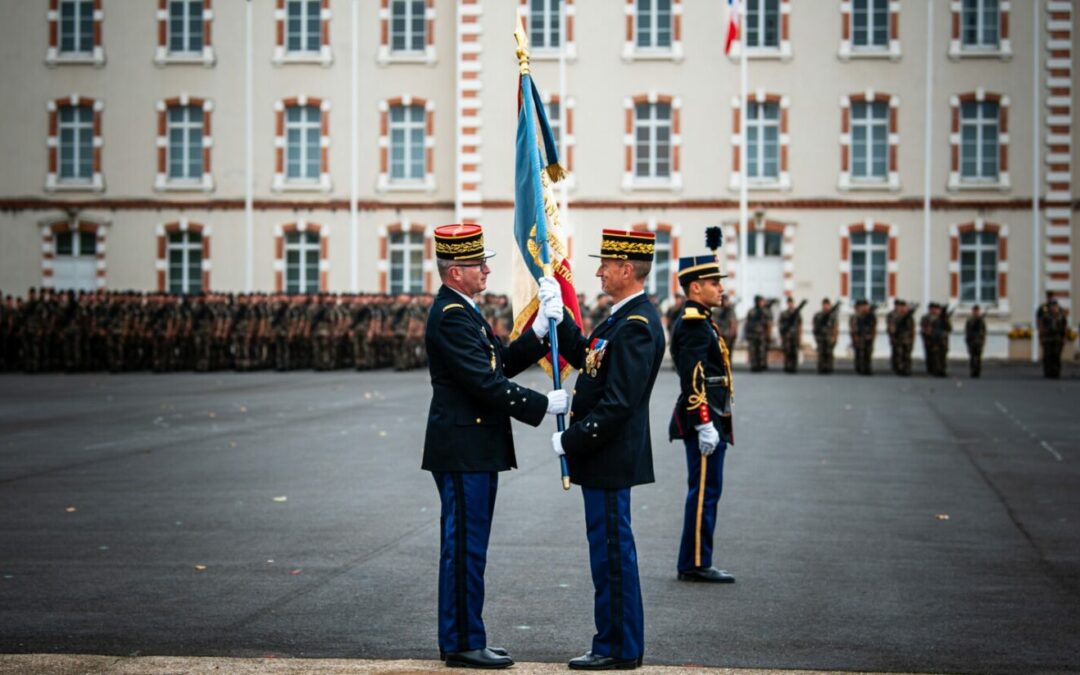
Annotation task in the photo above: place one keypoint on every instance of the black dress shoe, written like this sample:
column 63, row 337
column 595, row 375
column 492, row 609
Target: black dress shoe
column 590, row 661
column 500, row 651
column 478, row 658
column 709, row 575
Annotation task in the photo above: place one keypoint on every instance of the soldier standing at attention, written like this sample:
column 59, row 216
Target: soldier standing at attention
column 702, row 415
column 726, row 321
column 756, row 334
column 468, row 439
column 891, row 321
column 791, row 334
column 975, row 336
column 924, row 332
column 826, row 330
column 1052, row 328
column 607, row 443
column 863, row 328
column 905, row 337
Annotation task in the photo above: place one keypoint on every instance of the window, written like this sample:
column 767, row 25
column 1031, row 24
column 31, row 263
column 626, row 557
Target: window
column 76, row 244
column 979, row 24
column 407, row 26
column 763, row 24
column 76, row 143
column 301, row 262
column 763, row 141
column 407, row 142
column 654, row 22
column 870, row 24
column 979, row 140
column 545, row 29
column 185, row 131
column 302, row 142
column 185, row 258
column 76, row 27
column 652, row 140
column 869, row 265
column 764, row 244
column 658, row 283
column 869, row 140
column 303, row 26
column 979, row 267
column 74, row 265
column 406, row 251
column 185, row 27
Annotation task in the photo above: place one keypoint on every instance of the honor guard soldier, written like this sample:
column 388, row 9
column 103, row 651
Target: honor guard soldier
column 826, row 330
column 468, row 439
column 726, row 321
column 863, row 328
column 758, row 332
column 702, row 415
column 791, row 334
column 975, row 337
column 607, row 443
column 900, row 323
column 1053, row 325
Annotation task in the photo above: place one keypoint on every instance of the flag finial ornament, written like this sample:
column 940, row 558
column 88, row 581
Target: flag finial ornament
column 522, row 39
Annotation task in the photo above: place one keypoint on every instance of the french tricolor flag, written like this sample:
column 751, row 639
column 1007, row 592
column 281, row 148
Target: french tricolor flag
column 734, row 10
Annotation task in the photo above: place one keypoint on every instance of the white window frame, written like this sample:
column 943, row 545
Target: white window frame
column 652, row 281
column 198, row 16
column 758, row 237
column 548, row 14
column 981, row 123
column 77, row 127
column 654, row 13
column 409, row 35
column 76, row 53
column 652, row 124
column 76, row 243
column 186, row 127
column 186, row 246
column 631, row 50
column 1002, row 49
column 407, row 126
column 868, row 248
column 981, row 10
column 865, row 6
column 868, row 123
column 305, row 33
column 980, row 248
column 309, row 252
column 303, row 126
column 761, row 15
column 411, row 244
column 759, row 123
column 321, row 54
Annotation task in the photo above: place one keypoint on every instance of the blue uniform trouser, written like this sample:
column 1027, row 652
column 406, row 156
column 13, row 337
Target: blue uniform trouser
column 617, row 608
column 468, row 502
column 705, row 480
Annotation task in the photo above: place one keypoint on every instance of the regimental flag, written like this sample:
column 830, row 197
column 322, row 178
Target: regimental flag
column 734, row 10
column 536, row 214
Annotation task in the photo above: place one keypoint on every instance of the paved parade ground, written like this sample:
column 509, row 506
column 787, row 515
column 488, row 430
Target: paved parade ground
column 882, row 524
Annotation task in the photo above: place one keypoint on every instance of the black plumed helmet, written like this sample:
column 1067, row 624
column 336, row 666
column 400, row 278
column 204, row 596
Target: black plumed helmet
column 714, row 236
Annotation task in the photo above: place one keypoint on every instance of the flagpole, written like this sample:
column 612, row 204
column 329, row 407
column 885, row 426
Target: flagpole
column 564, row 189
column 744, row 227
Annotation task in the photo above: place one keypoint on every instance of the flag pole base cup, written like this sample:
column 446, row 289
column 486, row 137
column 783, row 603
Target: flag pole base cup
column 566, row 482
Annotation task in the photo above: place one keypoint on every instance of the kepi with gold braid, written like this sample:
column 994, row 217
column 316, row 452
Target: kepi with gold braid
column 461, row 242
column 627, row 245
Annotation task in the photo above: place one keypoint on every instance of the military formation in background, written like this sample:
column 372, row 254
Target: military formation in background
column 122, row 331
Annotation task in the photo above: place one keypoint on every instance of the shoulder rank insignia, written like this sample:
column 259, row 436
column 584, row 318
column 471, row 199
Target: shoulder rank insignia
column 693, row 313
column 637, row 317
column 453, row 305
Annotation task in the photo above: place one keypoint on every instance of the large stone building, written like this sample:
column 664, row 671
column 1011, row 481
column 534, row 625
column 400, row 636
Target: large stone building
column 371, row 122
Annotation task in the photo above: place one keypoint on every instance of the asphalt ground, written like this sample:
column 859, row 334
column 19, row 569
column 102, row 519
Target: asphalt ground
column 873, row 524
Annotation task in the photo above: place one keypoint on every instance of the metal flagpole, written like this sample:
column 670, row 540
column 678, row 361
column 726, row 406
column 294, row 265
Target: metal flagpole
column 354, row 152
column 564, row 190
column 249, row 150
column 744, row 226
column 927, row 154
column 1036, row 174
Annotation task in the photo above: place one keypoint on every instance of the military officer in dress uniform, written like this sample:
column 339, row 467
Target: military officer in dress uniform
column 468, row 439
column 702, row 415
column 607, row 444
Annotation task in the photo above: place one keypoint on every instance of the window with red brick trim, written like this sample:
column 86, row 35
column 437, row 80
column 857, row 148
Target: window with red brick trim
column 542, row 22
column 184, row 32
column 767, row 140
column 183, row 257
column 653, row 142
column 406, row 144
column 184, row 144
column 869, row 142
column 870, row 29
column 554, row 111
column 302, row 144
column 979, row 142
column 979, row 265
column 653, row 32
column 868, row 263
column 768, row 30
column 74, row 144
column 301, row 257
column 980, row 28
column 406, row 31
column 302, row 32
column 75, row 32
column 73, row 255
column 406, row 258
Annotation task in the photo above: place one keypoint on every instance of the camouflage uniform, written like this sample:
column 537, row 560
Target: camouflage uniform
column 1053, row 325
column 863, row 328
column 757, row 333
column 975, row 337
column 791, row 335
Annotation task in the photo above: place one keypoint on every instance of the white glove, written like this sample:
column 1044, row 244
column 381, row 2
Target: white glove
column 551, row 307
column 707, row 438
column 558, row 402
column 549, row 288
column 556, row 443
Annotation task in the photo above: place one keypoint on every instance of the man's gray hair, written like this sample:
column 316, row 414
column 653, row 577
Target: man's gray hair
column 641, row 268
column 443, row 266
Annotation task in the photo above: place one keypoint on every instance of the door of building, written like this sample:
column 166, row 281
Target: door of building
column 764, row 273
column 75, row 261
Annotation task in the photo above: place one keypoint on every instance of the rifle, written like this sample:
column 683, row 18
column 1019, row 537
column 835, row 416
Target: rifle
column 834, row 309
column 787, row 324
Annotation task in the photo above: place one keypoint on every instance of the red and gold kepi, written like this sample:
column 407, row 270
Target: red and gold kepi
column 627, row 245
column 461, row 242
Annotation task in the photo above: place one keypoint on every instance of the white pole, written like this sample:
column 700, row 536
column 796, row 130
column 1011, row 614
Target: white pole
column 927, row 149
column 354, row 188
column 1036, row 175
column 249, row 150
column 564, row 192
column 744, row 226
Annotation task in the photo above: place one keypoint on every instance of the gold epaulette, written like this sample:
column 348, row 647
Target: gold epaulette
column 454, row 305
column 693, row 313
column 637, row 317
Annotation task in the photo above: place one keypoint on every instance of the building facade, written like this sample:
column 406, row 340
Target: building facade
column 895, row 149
